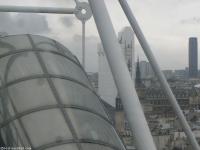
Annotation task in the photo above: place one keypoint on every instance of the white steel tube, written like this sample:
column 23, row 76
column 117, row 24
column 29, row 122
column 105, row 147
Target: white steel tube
column 83, row 44
column 27, row 9
column 159, row 73
column 124, row 83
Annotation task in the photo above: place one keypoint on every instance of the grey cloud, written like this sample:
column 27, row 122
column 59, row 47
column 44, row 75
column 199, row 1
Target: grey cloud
column 194, row 20
column 78, row 38
column 67, row 21
column 23, row 23
column 91, row 50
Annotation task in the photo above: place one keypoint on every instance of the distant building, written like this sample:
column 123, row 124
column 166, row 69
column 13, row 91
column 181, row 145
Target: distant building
column 193, row 57
column 138, row 81
column 126, row 40
column 122, row 126
column 157, row 98
column 181, row 74
column 169, row 74
column 146, row 70
column 106, row 85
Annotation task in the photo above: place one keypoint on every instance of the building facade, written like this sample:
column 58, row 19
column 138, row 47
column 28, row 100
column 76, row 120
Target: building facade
column 193, row 57
column 146, row 70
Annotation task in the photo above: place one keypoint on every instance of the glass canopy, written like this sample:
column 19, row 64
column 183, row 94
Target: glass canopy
column 47, row 101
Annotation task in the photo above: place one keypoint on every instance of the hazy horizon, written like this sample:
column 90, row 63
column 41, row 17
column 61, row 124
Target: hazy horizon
column 167, row 26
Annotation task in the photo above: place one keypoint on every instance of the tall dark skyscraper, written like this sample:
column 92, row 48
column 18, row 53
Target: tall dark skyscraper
column 193, row 57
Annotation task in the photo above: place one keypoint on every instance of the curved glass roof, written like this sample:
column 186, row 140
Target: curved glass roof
column 47, row 101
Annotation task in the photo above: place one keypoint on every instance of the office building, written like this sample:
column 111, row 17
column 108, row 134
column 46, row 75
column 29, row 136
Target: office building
column 193, row 57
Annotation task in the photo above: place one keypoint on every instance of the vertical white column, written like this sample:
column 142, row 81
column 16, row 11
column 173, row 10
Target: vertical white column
column 83, row 44
column 130, row 100
column 159, row 73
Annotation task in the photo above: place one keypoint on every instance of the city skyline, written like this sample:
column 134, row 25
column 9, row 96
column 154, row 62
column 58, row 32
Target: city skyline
column 167, row 31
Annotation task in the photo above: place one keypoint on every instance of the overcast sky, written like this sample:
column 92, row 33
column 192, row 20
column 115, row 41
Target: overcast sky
column 167, row 26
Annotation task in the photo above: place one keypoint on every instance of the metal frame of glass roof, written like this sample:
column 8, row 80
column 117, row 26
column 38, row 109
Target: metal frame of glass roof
column 11, row 56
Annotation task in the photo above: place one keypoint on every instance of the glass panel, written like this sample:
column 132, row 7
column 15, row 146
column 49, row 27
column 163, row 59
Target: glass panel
column 51, row 45
column 89, row 126
column 64, row 147
column 46, row 127
column 94, row 147
column 3, row 66
column 10, row 109
column 13, row 135
column 3, row 109
column 4, row 135
column 66, row 51
column 44, row 43
column 1, row 112
column 21, row 134
column 19, row 65
column 61, row 66
column 14, row 42
column 75, row 94
column 7, row 110
column 31, row 94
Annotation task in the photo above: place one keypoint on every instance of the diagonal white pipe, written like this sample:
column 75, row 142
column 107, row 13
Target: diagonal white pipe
column 124, row 83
